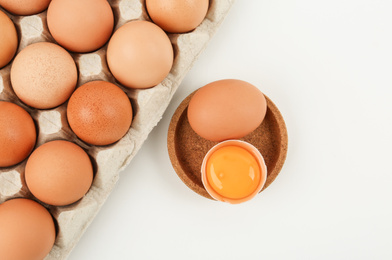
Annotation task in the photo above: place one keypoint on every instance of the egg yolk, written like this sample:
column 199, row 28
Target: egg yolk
column 233, row 172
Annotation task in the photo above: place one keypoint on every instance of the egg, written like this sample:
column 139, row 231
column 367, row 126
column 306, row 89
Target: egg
column 27, row 230
column 80, row 26
column 177, row 16
column 99, row 113
column 24, row 7
column 9, row 39
column 59, row 173
column 233, row 171
column 17, row 134
column 226, row 109
column 43, row 75
column 140, row 54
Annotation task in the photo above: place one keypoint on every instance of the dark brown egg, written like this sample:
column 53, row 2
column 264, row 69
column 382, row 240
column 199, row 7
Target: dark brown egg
column 99, row 113
column 17, row 134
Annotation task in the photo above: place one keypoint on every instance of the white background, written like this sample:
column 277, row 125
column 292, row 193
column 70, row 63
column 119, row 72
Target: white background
column 327, row 65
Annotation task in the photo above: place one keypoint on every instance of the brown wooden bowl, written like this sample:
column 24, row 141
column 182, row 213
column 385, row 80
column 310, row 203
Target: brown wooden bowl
column 187, row 149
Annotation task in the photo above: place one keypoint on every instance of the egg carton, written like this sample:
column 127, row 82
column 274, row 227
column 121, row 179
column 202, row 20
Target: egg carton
column 148, row 105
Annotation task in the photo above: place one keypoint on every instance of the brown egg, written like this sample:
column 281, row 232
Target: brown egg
column 9, row 39
column 140, row 54
column 80, row 26
column 226, row 109
column 24, row 7
column 43, row 75
column 59, row 173
column 99, row 113
column 27, row 230
column 177, row 16
column 17, row 134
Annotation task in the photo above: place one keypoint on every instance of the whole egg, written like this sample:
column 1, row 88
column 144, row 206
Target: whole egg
column 226, row 109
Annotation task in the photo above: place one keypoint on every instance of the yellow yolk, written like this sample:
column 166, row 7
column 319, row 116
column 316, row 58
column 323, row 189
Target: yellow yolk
column 233, row 172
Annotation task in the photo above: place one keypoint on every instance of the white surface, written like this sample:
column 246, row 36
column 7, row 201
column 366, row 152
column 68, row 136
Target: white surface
column 327, row 65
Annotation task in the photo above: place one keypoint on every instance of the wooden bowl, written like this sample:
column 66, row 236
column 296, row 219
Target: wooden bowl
column 187, row 149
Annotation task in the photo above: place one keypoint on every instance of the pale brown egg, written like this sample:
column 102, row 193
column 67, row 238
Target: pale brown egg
column 27, row 230
column 43, row 75
column 8, row 40
column 177, row 16
column 140, row 55
column 24, row 7
column 17, row 134
column 226, row 109
column 80, row 26
column 59, row 173
column 99, row 113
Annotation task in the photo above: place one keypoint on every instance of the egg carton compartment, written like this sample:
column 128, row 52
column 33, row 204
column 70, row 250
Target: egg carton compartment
column 148, row 108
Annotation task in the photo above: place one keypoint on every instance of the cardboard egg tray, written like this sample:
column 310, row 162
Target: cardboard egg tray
column 148, row 105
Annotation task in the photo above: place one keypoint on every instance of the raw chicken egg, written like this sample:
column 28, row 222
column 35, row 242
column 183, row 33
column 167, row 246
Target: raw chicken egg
column 24, row 7
column 80, row 26
column 99, row 113
column 177, row 16
column 140, row 54
column 43, row 75
column 27, row 230
column 17, row 134
column 226, row 109
column 233, row 171
column 8, row 39
column 59, row 173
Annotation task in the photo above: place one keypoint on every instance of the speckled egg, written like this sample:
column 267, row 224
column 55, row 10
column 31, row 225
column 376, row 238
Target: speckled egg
column 99, row 113
column 43, row 75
